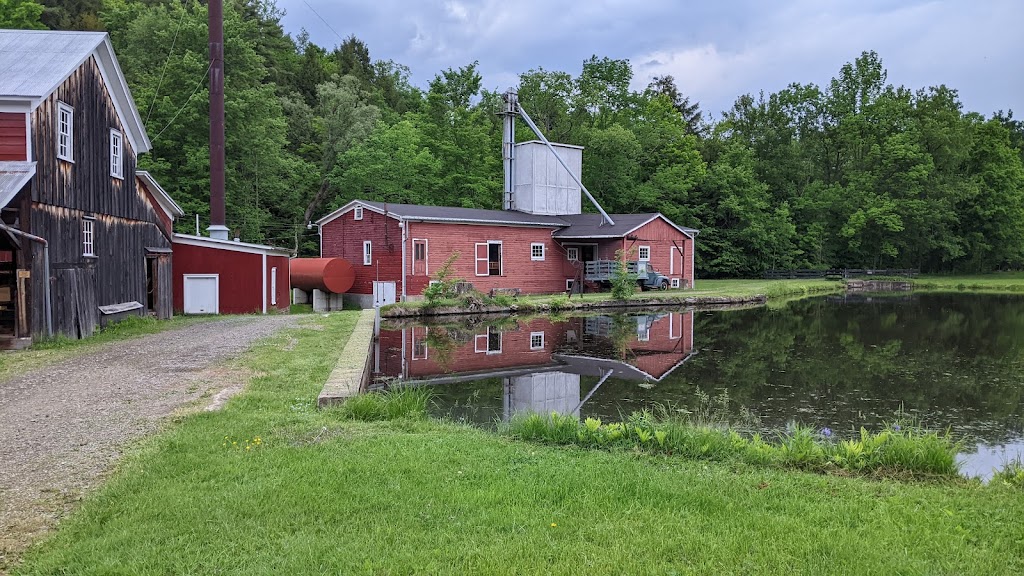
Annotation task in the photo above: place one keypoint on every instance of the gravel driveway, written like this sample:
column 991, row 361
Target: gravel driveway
column 62, row 427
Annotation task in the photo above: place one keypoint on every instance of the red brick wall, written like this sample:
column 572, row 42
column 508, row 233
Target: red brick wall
column 12, row 136
column 241, row 277
column 343, row 238
column 518, row 269
column 671, row 340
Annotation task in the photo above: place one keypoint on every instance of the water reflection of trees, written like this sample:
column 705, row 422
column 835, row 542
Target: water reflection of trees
column 950, row 358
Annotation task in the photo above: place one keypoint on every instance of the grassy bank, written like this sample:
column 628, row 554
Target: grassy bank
column 269, row 485
column 44, row 351
column 706, row 292
column 1005, row 282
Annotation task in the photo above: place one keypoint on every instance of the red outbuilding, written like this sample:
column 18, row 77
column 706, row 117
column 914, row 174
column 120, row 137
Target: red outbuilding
column 541, row 243
column 213, row 276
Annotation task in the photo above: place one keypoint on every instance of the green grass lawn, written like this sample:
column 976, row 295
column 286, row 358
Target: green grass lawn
column 270, row 485
column 994, row 282
column 43, row 352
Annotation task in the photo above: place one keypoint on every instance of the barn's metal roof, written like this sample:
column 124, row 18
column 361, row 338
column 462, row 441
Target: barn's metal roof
column 13, row 177
column 33, row 63
column 162, row 197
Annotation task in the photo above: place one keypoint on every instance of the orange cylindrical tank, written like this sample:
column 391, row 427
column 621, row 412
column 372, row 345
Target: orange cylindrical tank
column 328, row 274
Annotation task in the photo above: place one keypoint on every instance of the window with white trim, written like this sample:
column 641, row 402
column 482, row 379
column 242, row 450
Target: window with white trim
column 357, row 214
column 675, row 282
column 572, row 253
column 569, row 282
column 536, row 340
column 88, row 237
column 644, row 253
column 643, row 335
column 65, row 132
column 537, row 251
column 367, row 253
column 116, row 154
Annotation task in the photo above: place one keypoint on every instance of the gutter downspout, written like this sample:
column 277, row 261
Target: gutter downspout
column 46, row 272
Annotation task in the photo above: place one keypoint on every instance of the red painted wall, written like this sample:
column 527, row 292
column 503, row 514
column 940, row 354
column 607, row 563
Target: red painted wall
column 659, row 235
column 241, row 277
column 12, row 136
column 283, row 282
column 343, row 238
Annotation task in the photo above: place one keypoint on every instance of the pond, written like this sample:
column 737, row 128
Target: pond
column 842, row 362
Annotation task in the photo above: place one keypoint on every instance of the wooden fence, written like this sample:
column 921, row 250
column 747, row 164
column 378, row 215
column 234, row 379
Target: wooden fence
column 807, row 274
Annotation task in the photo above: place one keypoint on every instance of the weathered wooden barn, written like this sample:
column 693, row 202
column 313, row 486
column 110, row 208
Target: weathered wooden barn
column 81, row 242
column 538, row 245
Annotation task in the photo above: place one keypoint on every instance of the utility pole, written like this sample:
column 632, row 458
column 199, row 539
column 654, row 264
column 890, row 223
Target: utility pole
column 217, row 227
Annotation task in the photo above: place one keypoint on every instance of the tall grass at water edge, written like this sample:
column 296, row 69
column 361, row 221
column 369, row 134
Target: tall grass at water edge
column 898, row 449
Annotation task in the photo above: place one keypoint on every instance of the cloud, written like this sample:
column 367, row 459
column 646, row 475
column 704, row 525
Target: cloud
column 716, row 51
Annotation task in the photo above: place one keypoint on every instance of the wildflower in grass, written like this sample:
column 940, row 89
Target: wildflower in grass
column 826, row 432
column 896, row 427
column 553, row 525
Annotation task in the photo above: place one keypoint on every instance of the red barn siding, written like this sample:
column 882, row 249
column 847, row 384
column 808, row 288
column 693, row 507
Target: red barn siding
column 671, row 340
column 283, row 283
column 663, row 239
column 343, row 238
column 241, row 276
column 12, row 136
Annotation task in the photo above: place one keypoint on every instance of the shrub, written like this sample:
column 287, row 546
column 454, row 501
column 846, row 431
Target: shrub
column 444, row 285
column 623, row 283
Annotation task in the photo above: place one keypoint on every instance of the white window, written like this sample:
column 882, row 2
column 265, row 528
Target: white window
column 357, row 214
column 273, row 286
column 489, row 343
column 116, row 155
column 644, row 254
column 675, row 282
column 643, row 335
column 367, row 253
column 568, row 284
column 536, row 340
column 536, row 251
column 65, row 132
column 572, row 253
column 88, row 244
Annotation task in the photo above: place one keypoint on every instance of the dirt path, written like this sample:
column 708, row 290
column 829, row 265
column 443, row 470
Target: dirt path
column 62, row 427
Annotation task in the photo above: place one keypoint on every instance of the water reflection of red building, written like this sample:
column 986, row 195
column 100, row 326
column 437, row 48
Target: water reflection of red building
column 541, row 361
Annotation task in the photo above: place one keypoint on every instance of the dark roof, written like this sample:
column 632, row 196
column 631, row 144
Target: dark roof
column 448, row 213
column 594, row 226
column 569, row 226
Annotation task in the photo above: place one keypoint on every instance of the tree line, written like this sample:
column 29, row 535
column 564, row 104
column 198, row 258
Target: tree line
column 855, row 173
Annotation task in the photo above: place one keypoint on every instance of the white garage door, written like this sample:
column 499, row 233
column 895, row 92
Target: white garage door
column 201, row 293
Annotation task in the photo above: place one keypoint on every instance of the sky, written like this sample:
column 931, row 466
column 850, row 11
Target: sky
column 716, row 50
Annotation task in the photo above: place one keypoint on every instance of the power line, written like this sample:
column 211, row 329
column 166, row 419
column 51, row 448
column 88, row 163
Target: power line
column 180, row 110
column 166, row 60
column 322, row 20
